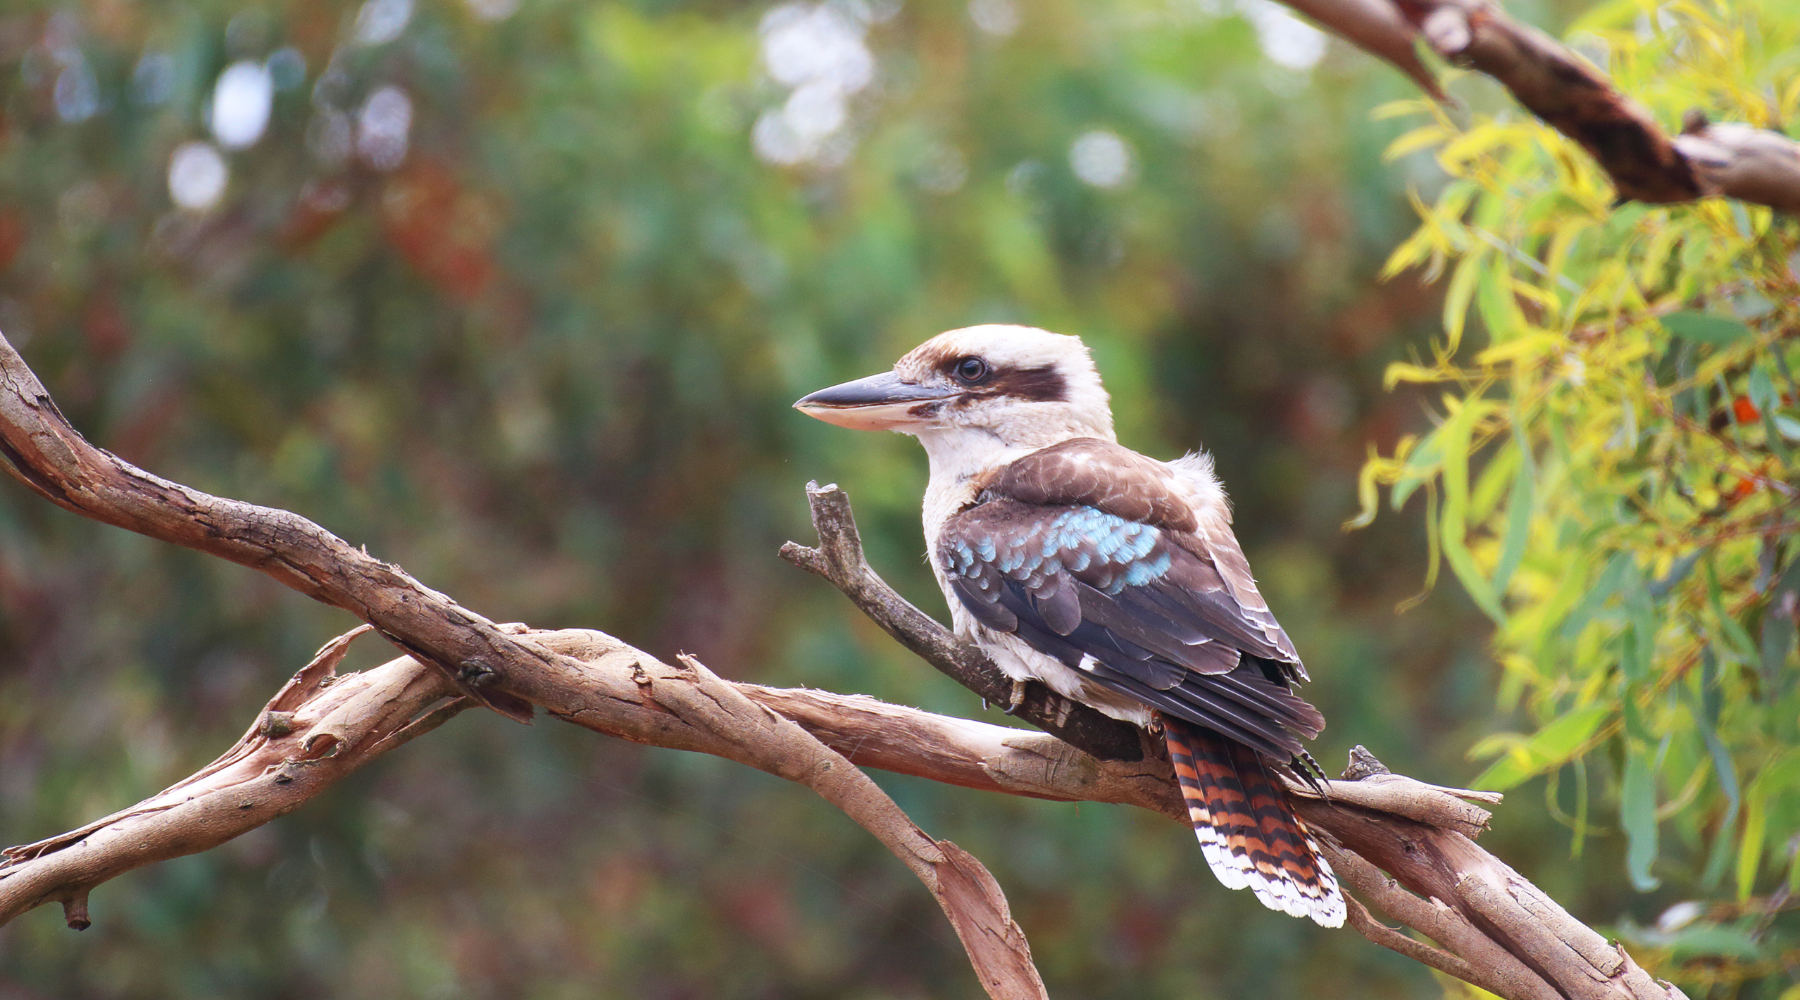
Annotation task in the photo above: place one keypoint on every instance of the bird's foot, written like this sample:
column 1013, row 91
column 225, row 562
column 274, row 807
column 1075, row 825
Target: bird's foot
column 1017, row 698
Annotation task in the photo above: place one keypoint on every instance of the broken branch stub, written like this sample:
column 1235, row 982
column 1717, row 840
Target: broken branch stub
column 1405, row 845
column 839, row 559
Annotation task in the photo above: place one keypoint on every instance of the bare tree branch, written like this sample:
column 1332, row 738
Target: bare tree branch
column 839, row 558
column 971, row 754
column 321, row 727
column 1497, row 930
column 312, row 733
column 640, row 698
column 1405, row 846
column 1553, row 82
column 967, row 892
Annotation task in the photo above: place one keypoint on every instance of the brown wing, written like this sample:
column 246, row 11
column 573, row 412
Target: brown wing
column 1136, row 612
column 1214, row 543
column 1089, row 472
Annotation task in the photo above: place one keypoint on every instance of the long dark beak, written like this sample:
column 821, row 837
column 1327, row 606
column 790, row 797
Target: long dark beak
column 879, row 402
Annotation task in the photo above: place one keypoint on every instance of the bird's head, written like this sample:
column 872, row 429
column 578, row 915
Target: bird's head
column 1015, row 386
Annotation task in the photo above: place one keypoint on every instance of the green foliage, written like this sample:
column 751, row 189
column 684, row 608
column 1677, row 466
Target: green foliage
column 1614, row 477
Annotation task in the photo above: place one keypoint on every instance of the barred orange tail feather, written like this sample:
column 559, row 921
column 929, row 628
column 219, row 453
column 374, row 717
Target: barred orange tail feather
column 1247, row 828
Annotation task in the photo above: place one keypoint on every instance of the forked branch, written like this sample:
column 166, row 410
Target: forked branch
column 1569, row 94
column 1490, row 927
column 315, row 731
column 1406, row 846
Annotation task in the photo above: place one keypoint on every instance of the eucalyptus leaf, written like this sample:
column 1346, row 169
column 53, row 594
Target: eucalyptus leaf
column 1678, row 571
column 1714, row 941
column 1762, row 390
column 1750, row 848
column 1778, row 632
column 1454, row 441
column 1519, row 507
column 1552, row 745
column 1705, row 328
column 1421, row 467
column 1637, row 813
column 1726, row 773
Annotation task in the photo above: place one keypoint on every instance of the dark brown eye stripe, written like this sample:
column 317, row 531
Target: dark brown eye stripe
column 1040, row 385
column 1043, row 384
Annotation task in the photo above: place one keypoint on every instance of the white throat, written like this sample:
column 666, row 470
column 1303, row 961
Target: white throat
column 957, row 455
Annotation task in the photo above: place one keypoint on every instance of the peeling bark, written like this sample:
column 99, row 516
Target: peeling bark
column 1404, row 845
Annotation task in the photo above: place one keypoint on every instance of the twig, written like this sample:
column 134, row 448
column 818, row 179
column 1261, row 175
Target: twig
column 311, row 734
column 1494, row 929
column 964, row 889
column 1364, row 923
column 1645, row 163
column 468, row 656
column 839, row 559
column 1514, row 942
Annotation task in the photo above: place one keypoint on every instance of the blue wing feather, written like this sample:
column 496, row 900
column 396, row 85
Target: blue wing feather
column 1139, row 612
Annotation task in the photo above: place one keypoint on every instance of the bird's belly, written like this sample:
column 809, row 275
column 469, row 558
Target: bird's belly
column 1018, row 660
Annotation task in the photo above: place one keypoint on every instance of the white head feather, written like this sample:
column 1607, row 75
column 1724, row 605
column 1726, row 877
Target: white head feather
column 1038, row 388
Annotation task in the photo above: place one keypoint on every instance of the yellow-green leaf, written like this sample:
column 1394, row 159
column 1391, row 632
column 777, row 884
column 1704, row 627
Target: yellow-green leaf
column 1551, row 746
column 1453, row 440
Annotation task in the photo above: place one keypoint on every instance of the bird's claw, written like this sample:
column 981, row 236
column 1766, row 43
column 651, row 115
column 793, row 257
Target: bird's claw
column 1017, row 698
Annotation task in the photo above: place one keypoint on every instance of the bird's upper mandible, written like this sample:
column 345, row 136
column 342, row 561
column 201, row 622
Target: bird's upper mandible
column 1020, row 386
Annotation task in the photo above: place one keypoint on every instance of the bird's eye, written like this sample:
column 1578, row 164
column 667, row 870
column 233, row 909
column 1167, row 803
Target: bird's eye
column 971, row 370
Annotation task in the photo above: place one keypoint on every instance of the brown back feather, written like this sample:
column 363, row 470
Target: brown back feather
column 1111, row 477
column 1094, row 473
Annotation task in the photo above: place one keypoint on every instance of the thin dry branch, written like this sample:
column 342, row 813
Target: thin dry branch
column 1405, row 845
column 1566, row 91
column 839, row 558
column 967, row 892
column 1492, row 927
column 321, row 727
column 317, row 729
column 646, row 700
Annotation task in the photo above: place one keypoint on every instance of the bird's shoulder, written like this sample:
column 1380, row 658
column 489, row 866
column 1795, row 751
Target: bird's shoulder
column 1091, row 472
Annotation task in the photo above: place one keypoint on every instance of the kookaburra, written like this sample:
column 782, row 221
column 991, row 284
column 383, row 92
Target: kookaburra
column 1111, row 577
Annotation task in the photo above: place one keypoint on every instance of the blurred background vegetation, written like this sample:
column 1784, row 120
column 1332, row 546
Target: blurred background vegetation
column 517, row 293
